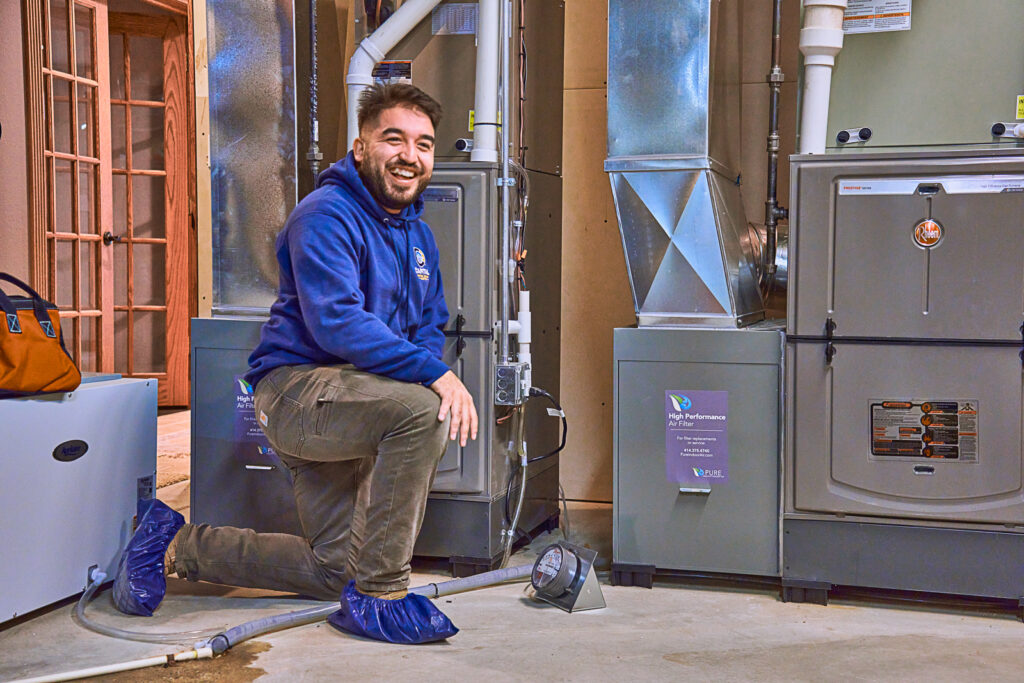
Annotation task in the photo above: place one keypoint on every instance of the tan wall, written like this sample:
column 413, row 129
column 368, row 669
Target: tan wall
column 595, row 287
column 14, row 228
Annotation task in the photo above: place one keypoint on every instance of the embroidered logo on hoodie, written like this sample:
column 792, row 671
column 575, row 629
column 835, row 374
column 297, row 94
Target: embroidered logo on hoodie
column 422, row 272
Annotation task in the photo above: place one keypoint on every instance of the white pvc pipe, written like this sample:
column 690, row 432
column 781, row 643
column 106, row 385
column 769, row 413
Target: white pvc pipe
column 373, row 49
column 161, row 660
column 821, row 39
column 525, row 333
column 485, row 102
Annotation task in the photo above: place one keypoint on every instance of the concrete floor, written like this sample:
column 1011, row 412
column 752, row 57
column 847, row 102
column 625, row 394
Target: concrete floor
column 667, row 633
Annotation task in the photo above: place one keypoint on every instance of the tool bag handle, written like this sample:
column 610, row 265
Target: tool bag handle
column 38, row 305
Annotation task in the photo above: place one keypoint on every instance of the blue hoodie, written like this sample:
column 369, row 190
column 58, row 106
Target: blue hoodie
column 358, row 285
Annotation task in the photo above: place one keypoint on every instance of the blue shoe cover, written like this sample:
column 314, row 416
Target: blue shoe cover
column 139, row 585
column 410, row 620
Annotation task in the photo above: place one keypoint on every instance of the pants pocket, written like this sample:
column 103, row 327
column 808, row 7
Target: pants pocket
column 281, row 419
column 322, row 408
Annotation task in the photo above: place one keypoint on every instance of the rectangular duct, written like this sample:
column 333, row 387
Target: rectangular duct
column 673, row 117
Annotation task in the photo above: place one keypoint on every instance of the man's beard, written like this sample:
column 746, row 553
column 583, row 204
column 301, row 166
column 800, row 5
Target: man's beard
column 375, row 178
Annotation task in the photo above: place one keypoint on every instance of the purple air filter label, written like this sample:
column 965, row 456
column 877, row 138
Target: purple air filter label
column 696, row 437
column 250, row 444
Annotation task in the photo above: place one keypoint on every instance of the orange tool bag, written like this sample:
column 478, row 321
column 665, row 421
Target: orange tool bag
column 32, row 354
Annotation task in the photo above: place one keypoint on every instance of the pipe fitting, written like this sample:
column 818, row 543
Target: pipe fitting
column 821, row 39
column 373, row 49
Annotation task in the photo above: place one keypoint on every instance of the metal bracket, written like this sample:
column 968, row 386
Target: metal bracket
column 830, row 349
column 460, row 334
column 502, row 182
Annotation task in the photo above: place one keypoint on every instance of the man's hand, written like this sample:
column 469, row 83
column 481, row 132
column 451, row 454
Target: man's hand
column 455, row 397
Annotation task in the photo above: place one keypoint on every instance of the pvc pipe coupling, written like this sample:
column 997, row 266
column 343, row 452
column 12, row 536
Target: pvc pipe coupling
column 821, row 37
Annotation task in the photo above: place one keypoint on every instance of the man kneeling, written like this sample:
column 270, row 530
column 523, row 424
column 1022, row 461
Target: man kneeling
column 350, row 388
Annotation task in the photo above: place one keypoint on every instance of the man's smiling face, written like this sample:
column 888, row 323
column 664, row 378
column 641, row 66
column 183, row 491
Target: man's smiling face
column 395, row 156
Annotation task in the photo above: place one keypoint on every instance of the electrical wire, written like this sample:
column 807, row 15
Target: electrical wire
column 535, row 391
column 522, row 84
column 566, row 529
column 510, row 533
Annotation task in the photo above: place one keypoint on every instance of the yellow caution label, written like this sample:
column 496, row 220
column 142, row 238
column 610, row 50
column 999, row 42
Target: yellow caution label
column 1020, row 106
column 472, row 117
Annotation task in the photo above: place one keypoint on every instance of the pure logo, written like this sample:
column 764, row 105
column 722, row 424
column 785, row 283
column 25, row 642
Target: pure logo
column 680, row 403
column 707, row 473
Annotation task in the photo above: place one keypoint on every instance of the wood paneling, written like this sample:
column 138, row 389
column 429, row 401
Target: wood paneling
column 586, row 41
column 203, row 222
column 595, row 297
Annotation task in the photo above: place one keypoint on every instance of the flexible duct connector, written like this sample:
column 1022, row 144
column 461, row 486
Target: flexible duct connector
column 821, row 39
column 373, row 49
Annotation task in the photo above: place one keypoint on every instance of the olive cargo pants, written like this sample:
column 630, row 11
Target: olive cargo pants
column 362, row 450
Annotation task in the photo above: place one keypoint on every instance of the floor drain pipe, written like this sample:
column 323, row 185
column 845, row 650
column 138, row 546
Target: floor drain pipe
column 159, row 660
column 821, row 39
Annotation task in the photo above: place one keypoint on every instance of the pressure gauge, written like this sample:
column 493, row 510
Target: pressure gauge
column 555, row 571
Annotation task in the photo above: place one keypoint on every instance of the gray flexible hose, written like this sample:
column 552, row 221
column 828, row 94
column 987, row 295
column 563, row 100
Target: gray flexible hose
column 233, row 636
column 250, row 629
column 437, row 590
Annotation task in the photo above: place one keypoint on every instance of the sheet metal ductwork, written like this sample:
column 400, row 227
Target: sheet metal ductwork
column 673, row 143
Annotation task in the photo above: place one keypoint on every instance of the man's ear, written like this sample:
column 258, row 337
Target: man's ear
column 358, row 149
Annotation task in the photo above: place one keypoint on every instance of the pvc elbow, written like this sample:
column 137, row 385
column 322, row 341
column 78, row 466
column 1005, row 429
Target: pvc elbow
column 360, row 67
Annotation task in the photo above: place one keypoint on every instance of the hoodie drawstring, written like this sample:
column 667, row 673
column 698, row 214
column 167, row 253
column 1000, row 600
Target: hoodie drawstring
column 403, row 282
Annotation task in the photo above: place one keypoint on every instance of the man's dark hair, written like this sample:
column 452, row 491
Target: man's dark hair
column 378, row 97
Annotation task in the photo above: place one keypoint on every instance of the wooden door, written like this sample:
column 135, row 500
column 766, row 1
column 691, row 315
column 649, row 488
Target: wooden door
column 110, row 184
column 149, row 236
column 71, row 184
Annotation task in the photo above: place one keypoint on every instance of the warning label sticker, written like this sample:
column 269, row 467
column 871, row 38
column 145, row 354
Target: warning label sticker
column 877, row 16
column 945, row 429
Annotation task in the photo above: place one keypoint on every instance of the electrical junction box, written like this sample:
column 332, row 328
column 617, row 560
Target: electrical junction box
column 73, row 466
column 511, row 384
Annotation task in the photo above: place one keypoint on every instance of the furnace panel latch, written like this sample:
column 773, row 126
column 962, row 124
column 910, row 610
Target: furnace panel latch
column 460, row 333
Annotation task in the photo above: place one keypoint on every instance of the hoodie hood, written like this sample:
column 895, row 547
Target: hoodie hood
column 346, row 174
